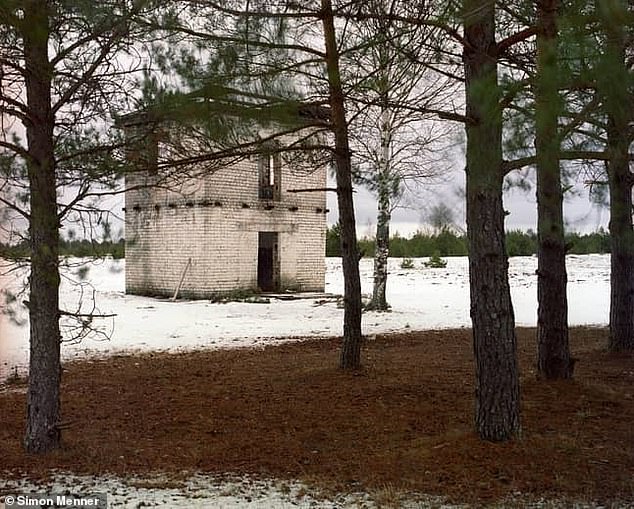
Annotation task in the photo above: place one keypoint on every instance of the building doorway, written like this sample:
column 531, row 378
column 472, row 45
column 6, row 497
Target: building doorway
column 268, row 262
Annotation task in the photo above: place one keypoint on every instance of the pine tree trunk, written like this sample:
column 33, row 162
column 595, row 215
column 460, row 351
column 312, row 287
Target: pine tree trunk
column 553, row 357
column 497, row 376
column 622, row 242
column 382, row 241
column 43, row 398
column 616, row 94
column 352, row 338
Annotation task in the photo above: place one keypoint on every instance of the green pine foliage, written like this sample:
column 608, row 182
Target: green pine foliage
column 79, row 248
column 87, row 248
column 448, row 243
column 435, row 262
column 597, row 242
column 519, row 243
column 407, row 263
column 333, row 241
column 445, row 243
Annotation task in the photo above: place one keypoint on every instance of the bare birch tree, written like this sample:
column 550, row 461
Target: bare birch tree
column 396, row 143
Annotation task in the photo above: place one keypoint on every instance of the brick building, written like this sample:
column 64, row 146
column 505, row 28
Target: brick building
column 239, row 227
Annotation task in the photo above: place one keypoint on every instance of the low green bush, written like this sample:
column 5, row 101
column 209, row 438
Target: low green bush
column 435, row 262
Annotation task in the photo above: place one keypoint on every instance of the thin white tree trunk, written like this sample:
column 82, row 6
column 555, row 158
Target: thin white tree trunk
column 384, row 191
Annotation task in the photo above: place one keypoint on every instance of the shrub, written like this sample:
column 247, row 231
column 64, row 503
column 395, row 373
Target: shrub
column 436, row 262
column 407, row 263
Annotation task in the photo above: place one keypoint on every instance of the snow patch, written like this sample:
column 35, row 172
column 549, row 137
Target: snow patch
column 421, row 298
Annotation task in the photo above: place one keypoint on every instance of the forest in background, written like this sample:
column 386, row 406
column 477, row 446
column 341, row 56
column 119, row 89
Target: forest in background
column 449, row 243
column 443, row 243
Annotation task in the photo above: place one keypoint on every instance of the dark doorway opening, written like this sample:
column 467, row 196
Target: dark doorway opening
column 268, row 262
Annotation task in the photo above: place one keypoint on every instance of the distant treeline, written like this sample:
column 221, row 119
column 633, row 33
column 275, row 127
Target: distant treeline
column 445, row 243
column 448, row 243
column 80, row 248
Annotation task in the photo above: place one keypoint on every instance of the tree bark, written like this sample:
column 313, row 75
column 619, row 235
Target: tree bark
column 622, row 241
column 43, row 401
column 381, row 251
column 553, row 357
column 615, row 93
column 382, row 241
column 352, row 338
column 497, row 415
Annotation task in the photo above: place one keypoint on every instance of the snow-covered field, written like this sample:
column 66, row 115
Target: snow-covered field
column 421, row 298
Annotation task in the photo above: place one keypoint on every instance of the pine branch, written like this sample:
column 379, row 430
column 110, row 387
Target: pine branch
column 17, row 149
column 238, row 41
column 13, row 206
column 516, row 38
column 579, row 118
column 566, row 155
column 119, row 33
column 261, row 14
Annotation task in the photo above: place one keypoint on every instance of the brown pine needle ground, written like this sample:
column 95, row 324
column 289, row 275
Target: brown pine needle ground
column 404, row 421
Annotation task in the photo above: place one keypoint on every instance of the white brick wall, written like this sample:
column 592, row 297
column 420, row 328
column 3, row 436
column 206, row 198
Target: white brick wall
column 215, row 220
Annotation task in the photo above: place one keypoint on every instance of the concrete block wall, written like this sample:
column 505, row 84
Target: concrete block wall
column 214, row 221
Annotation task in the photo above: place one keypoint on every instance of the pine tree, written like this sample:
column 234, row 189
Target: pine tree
column 58, row 68
column 614, row 82
column 497, row 375
column 553, row 358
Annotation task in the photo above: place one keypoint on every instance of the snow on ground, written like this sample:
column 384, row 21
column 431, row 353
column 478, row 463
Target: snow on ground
column 201, row 491
column 421, row 298
column 204, row 491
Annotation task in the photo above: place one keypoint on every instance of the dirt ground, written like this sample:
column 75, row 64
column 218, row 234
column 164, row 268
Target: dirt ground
column 402, row 423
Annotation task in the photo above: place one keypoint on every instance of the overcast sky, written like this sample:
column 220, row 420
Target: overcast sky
column 580, row 214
